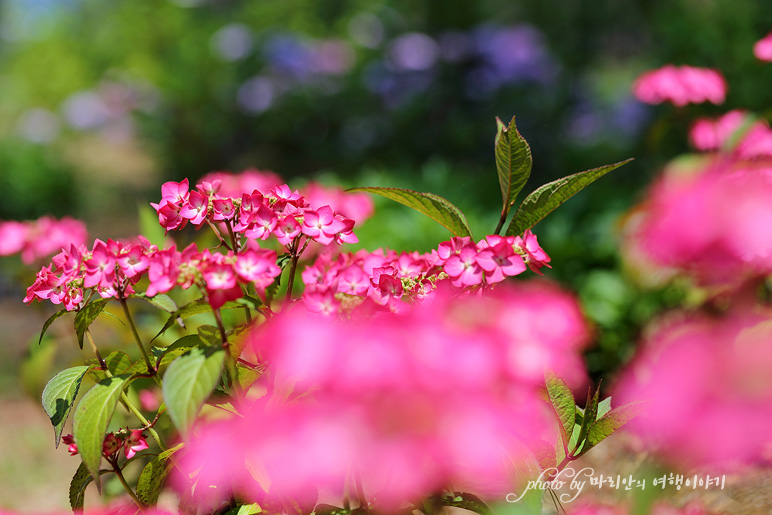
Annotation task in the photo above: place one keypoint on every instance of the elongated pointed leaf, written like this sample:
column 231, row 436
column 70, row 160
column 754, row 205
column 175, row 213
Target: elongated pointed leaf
column 433, row 206
column 611, row 421
column 86, row 317
column 92, row 417
column 188, row 382
column 153, row 475
column 513, row 162
column 58, row 396
column 563, row 402
column 78, row 485
column 590, row 414
column 48, row 323
column 604, row 407
column 548, row 197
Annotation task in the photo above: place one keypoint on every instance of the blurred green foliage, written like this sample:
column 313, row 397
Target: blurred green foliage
column 103, row 101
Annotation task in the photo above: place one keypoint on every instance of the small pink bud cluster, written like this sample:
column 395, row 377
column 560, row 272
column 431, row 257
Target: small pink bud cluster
column 112, row 269
column 393, row 280
column 130, row 440
column 447, row 394
column 282, row 213
column 680, row 85
column 41, row 238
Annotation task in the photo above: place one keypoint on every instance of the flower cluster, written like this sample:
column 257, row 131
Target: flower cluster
column 680, row 85
column 130, row 440
column 711, row 384
column 394, row 280
column 381, row 398
column 113, row 268
column 280, row 212
column 41, row 238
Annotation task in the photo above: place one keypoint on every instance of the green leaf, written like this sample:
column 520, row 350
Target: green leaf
column 78, row 485
column 513, row 162
column 58, row 396
column 563, row 402
column 590, row 414
column 245, row 509
column 548, row 197
column 611, row 421
column 604, row 407
column 50, row 321
column 433, row 206
column 86, row 316
column 161, row 301
column 210, row 335
column 462, row 500
column 117, row 362
column 188, row 382
column 91, row 418
column 153, row 475
column 184, row 344
column 197, row 307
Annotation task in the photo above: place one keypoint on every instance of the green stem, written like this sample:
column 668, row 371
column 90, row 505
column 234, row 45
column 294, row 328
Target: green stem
column 126, row 486
column 150, row 368
column 503, row 219
column 229, row 359
column 294, row 256
column 124, row 397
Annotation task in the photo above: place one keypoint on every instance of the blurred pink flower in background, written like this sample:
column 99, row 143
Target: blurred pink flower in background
column 710, row 383
column 763, row 48
column 707, row 134
column 447, row 393
column 680, row 85
column 41, row 238
column 714, row 221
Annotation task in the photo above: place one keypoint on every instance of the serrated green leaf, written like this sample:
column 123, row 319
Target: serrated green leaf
column 185, row 343
column 86, row 316
column 433, row 206
column 48, row 323
column 78, row 485
column 548, row 197
column 513, row 162
column 91, row 418
column 153, row 475
column 611, row 421
column 563, row 402
column 188, row 382
column 58, row 396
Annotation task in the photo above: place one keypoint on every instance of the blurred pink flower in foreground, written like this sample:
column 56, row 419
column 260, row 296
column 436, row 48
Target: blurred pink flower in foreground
column 763, row 48
column 711, row 390
column 680, row 85
column 41, row 238
column 448, row 393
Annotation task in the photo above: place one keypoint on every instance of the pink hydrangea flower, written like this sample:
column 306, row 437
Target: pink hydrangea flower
column 763, row 48
column 707, row 134
column 134, row 443
column 680, row 85
column 382, row 397
column 709, row 386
